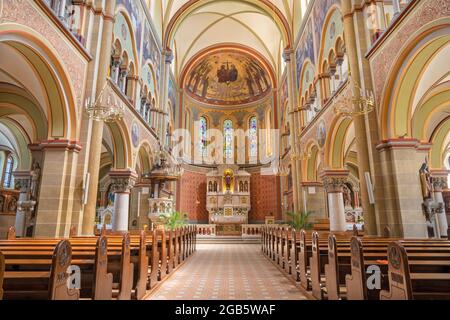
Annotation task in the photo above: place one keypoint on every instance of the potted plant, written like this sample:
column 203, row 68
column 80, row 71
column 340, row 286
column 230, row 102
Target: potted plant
column 174, row 220
column 299, row 220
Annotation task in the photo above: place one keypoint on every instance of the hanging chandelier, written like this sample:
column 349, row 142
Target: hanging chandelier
column 354, row 101
column 108, row 107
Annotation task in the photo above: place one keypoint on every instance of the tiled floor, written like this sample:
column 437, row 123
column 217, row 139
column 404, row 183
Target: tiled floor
column 228, row 272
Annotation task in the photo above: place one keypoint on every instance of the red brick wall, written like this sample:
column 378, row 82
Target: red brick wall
column 192, row 196
column 265, row 197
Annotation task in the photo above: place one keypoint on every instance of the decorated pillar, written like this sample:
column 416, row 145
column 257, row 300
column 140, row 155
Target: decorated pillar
column 288, row 57
column 122, row 182
column 25, row 205
column 439, row 181
column 95, row 143
column 334, row 181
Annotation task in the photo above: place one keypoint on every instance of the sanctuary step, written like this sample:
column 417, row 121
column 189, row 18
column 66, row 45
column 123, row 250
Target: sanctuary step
column 228, row 239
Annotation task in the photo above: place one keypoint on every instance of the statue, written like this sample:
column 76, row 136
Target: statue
column 228, row 180
column 35, row 177
column 425, row 181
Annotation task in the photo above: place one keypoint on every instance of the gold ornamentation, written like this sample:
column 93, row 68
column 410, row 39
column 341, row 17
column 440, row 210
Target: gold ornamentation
column 108, row 107
column 354, row 101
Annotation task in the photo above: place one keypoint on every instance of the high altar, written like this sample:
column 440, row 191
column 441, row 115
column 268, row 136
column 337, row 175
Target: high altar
column 228, row 199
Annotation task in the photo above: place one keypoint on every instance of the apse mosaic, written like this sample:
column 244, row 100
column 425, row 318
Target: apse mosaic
column 228, row 78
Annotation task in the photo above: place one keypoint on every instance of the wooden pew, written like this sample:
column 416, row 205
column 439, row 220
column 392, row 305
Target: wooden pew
column 37, row 283
column 90, row 256
column 2, row 273
column 422, row 280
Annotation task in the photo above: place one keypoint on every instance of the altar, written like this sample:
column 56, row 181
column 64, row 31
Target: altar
column 228, row 199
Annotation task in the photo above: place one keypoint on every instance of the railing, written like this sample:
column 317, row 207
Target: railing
column 206, row 229
column 252, row 229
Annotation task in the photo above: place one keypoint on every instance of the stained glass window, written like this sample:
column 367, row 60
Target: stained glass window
column 228, row 138
column 8, row 172
column 253, row 137
column 203, row 134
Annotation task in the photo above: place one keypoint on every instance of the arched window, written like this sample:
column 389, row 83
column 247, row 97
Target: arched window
column 253, row 137
column 228, row 138
column 203, row 129
column 8, row 172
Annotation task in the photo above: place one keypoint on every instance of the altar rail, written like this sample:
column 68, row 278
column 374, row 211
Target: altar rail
column 206, row 229
column 252, row 229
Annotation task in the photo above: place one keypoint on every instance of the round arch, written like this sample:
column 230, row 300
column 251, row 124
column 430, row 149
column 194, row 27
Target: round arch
column 440, row 140
column 402, row 83
column 46, row 64
column 335, row 145
column 122, row 145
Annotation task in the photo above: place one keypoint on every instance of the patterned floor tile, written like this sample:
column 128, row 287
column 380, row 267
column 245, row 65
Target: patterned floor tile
column 228, row 272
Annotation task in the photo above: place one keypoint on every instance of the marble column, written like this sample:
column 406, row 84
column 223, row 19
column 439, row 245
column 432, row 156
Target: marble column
column 25, row 206
column 334, row 182
column 122, row 182
column 439, row 180
column 95, row 143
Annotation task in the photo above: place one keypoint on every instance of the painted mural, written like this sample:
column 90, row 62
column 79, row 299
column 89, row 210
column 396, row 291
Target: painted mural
column 320, row 11
column 151, row 51
column 305, row 50
column 173, row 96
column 228, row 78
column 135, row 11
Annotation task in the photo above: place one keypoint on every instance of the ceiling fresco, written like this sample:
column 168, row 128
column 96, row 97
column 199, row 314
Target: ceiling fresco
column 227, row 78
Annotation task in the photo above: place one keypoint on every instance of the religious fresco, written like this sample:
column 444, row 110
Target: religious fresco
column 135, row 11
column 320, row 12
column 305, row 50
column 173, row 95
column 151, row 52
column 228, row 78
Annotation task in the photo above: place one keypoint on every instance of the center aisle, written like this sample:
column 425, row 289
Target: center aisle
column 228, row 272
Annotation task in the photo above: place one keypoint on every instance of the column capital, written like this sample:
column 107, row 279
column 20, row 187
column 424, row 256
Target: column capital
column 168, row 56
column 334, row 180
column 403, row 143
column 439, row 179
column 22, row 180
column 122, row 181
column 287, row 55
column 56, row 145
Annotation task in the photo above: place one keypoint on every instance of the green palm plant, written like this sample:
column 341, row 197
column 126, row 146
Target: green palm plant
column 299, row 220
column 174, row 220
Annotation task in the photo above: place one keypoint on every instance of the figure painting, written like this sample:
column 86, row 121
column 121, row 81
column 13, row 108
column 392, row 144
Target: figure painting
column 228, row 78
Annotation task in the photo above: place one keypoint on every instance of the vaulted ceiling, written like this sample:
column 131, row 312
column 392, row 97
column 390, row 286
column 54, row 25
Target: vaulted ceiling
column 193, row 26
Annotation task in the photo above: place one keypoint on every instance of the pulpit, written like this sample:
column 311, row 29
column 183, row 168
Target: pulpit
column 228, row 199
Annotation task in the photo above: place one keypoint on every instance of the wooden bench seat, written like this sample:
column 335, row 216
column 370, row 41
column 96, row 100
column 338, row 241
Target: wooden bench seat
column 47, row 282
column 412, row 281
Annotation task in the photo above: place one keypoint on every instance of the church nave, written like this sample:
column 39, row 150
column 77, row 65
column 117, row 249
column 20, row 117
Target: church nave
column 228, row 272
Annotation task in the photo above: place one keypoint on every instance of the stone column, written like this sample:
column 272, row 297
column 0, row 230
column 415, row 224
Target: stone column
column 95, row 143
column 288, row 57
column 334, row 182
column 401, row 161
column 168, row 59
column 25, row 206
column 362, row 144
column 439, row 179
column 122, row 182
column 57, row 187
